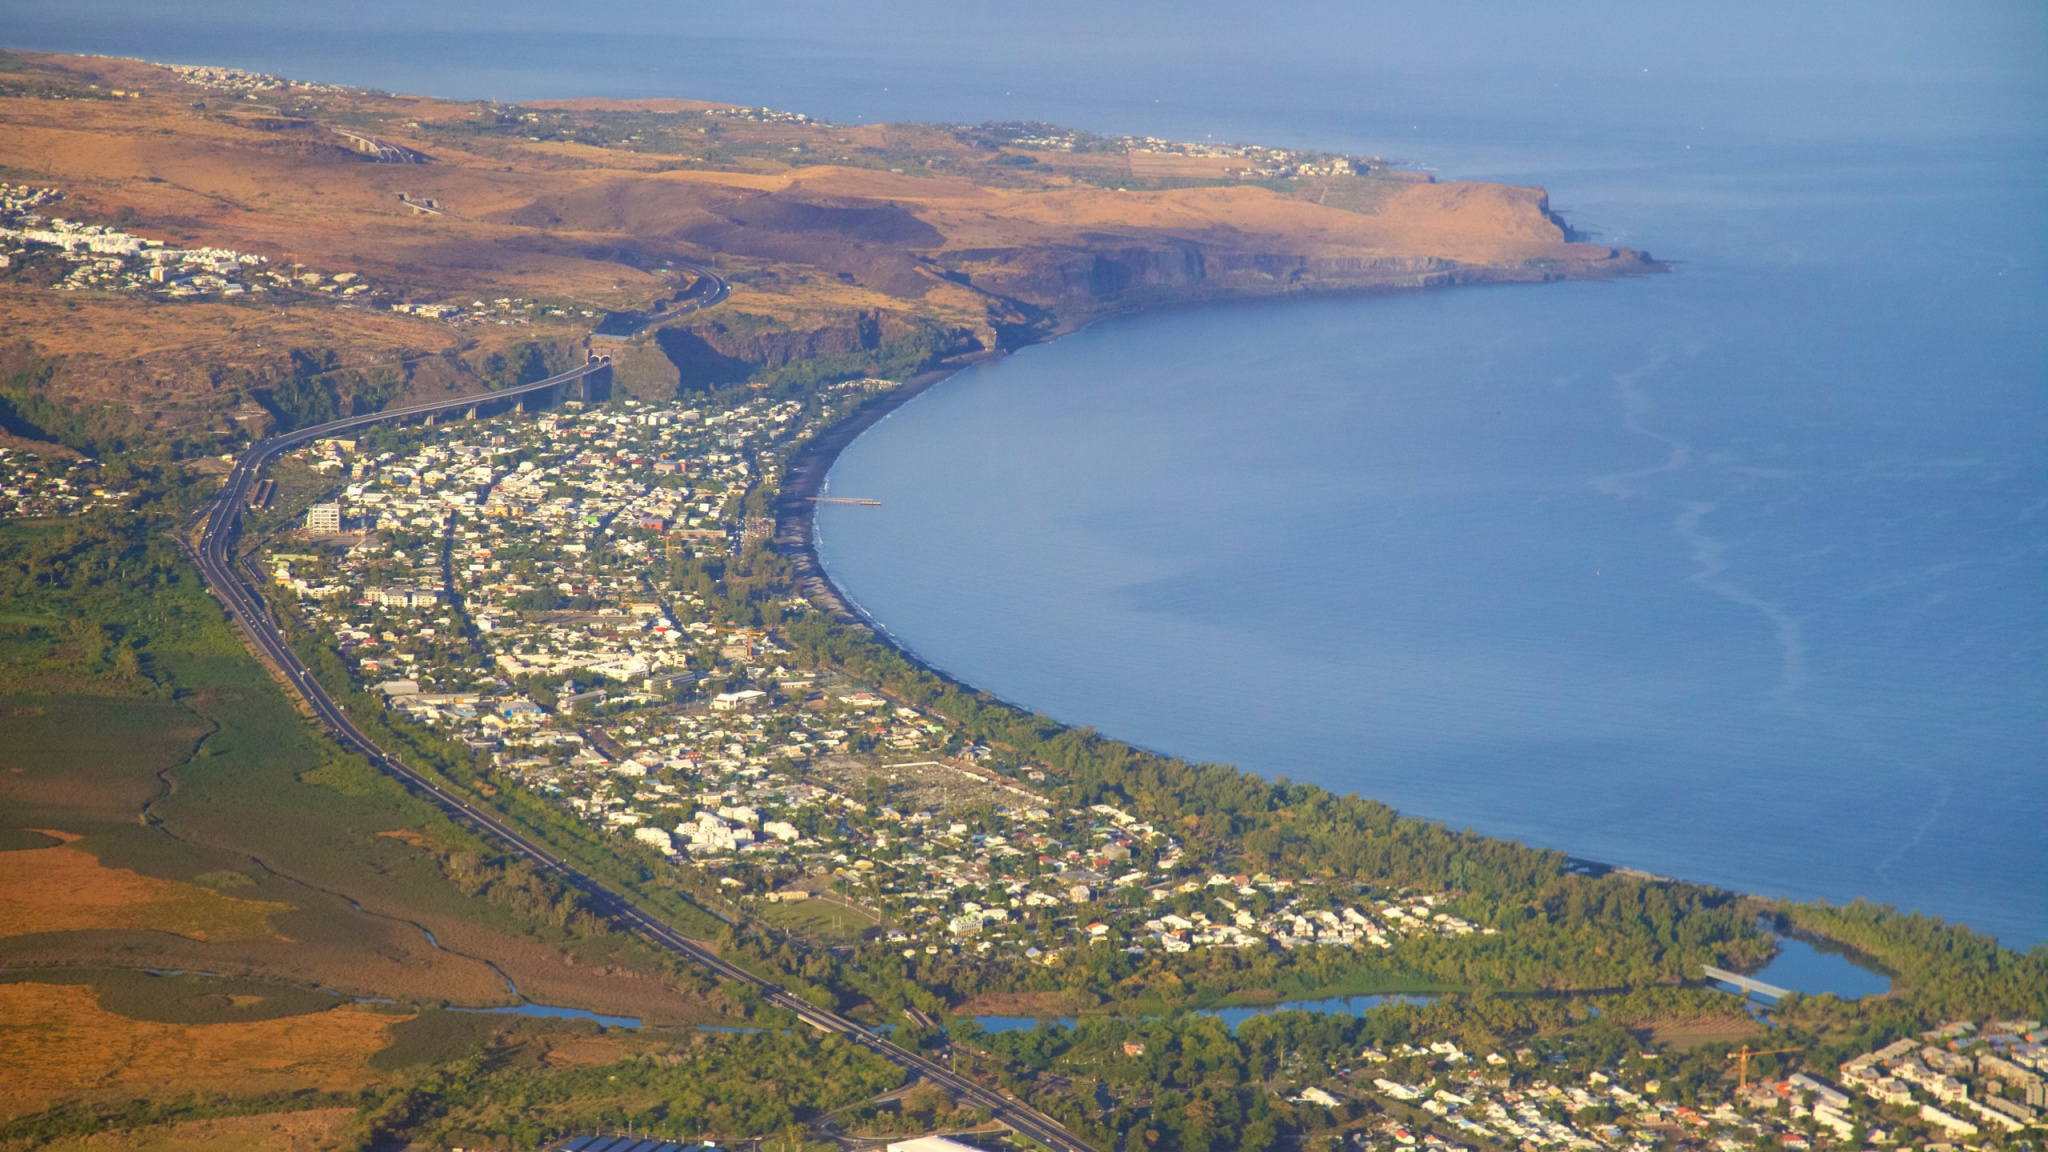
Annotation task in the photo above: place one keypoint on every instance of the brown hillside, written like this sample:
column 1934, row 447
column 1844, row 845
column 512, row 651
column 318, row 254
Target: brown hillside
column 589, row 206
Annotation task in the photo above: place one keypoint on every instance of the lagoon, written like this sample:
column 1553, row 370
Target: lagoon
column 1231, row 1017
column 556, row 1012
column 1811, row 971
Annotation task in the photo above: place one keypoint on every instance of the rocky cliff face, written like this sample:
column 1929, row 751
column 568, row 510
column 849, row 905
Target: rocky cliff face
column 714, row 352
column 1031, row 293
column 1001, row 267
column 1064, row 286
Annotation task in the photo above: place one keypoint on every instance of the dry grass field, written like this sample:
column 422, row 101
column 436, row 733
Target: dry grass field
column 275, row 1132
column 248, row 869
column 62, row 889
column 1686, row 1034
column 56, row 1042
column 583, row 203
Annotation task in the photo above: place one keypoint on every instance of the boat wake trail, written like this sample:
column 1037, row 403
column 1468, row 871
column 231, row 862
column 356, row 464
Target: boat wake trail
column 1920, row 833
column 1709, row 554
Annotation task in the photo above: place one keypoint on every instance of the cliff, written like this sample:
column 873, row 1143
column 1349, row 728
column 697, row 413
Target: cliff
column 869, row 245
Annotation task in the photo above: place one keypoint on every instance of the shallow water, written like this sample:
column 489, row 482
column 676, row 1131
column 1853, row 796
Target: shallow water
column 1232, row 1017
column 556, row 1012
column 1329, row 1005
column 1805, row 969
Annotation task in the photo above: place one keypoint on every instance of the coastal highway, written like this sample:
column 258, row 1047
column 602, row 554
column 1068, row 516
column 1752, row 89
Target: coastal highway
column 214, row 551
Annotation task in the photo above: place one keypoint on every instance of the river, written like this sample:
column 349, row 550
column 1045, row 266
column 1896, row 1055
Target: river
column 1735, row 573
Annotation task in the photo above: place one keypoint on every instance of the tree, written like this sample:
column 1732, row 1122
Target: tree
column 926, row 1103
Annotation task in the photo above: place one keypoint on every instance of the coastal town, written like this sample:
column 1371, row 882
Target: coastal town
column 242, row 81
column 530, row 587
column 431, row 721
column 1259, row 162
column 69, row 256
column 1946, row 1088
column 37, row 485
column 500, row 583
column 1965, row 1085
column 537, row 589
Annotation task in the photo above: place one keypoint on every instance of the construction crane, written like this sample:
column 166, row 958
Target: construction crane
column 1742, row 1057
column 854, row 500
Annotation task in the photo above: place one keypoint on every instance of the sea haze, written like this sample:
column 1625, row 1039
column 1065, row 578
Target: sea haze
column 1735, row 573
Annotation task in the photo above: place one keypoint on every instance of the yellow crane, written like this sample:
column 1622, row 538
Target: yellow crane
column 1742, row 1057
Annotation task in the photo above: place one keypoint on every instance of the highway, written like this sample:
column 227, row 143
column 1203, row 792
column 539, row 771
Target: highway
column 708, row 289
column 215, row 554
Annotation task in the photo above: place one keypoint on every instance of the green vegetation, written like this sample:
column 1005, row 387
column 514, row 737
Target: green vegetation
column 1189, row 1083
column 897, row 359
column 729, row 1085
column 74, row 1120
column 1951, row 970
column 436, row 1037
column 318, row 389
column 116, row 665
column 524, row 363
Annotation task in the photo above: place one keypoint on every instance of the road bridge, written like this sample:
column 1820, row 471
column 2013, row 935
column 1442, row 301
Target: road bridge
column 382, row 151
column 1745, row 983
column 226, row 576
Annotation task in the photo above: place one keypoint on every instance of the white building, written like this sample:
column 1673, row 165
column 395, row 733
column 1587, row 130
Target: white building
column 323, row 518
column 930, row 1144
column 656, row 838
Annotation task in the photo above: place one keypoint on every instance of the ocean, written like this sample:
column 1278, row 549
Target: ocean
column 1734, row 573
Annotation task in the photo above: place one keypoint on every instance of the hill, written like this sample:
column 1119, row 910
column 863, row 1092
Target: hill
column 511, row 224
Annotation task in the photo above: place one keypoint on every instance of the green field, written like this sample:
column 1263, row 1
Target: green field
column 825, row 919
column 189, row 763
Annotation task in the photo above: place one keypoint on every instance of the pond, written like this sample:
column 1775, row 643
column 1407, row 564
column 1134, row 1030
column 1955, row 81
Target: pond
column 1233, row 1016
column 1812, row 970
column 556, row 1011
column 1333, row 1005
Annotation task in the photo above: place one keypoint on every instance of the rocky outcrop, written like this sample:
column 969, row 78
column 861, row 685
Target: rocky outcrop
column 715, row 352
column 1076, row 284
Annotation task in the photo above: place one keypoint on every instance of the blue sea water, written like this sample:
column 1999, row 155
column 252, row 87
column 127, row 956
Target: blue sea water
column 1735, row 573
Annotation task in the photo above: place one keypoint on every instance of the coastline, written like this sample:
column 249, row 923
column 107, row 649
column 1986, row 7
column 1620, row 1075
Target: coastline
column 804, row 477
column 796, row 538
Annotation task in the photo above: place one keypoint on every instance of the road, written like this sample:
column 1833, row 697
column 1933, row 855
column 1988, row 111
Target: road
column 708, row 289
column 215, row 553
column 382, row 151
